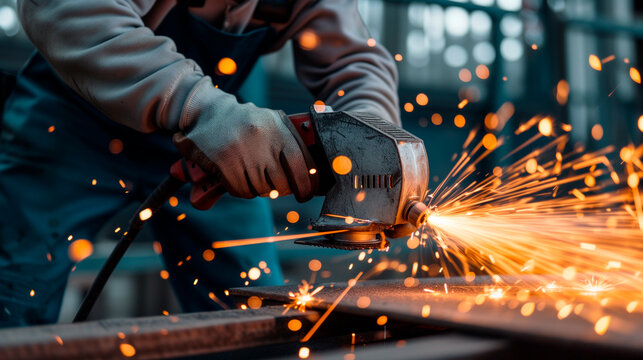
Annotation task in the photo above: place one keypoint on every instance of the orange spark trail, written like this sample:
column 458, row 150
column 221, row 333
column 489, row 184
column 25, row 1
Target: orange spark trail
column 312, row 331
column 269, row 239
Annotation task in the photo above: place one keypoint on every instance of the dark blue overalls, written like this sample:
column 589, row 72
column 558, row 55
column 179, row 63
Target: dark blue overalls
column 46, row 191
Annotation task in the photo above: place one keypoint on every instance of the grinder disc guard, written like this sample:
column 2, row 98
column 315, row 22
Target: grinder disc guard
column 334, row 243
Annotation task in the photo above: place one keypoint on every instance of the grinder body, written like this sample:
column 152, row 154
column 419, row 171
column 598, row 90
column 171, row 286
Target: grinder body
column 383, row 189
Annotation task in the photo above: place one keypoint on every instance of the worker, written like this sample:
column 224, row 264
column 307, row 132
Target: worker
column 98, row 113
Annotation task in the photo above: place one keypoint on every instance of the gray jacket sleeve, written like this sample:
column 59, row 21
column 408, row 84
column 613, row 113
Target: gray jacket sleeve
column 343, row 60
column 103, row 50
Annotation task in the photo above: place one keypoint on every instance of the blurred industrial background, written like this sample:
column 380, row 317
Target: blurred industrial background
column 517, row 57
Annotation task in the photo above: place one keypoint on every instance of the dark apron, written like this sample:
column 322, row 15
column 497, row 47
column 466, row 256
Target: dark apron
column 53, row 143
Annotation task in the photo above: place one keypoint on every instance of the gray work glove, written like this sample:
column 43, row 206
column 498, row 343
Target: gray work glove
column 250, row 148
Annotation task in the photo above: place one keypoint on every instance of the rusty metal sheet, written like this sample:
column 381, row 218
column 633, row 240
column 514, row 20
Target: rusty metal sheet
column 453, row 305
column 153, row 337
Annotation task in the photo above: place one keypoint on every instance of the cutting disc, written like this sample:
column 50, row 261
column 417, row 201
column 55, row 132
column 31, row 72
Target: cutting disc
column 345, row 245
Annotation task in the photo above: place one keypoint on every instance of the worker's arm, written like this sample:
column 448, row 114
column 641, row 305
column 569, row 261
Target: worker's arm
column 343, row 59
column 103, row 51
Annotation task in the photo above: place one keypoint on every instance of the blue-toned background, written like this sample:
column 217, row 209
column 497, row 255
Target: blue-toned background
column 520, row 54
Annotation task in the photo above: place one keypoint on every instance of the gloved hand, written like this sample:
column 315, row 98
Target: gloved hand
column 250, row 148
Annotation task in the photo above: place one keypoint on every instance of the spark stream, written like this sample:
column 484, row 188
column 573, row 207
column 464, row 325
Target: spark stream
column 549, row 211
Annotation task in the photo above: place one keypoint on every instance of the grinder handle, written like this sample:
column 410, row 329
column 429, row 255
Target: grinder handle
column 207, row 188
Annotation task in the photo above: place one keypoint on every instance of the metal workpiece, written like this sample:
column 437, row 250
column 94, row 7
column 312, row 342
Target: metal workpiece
column 388, row 170
column 157, row 337
column 451, row 303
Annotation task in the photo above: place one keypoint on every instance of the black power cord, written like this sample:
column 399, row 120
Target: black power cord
column 154, row 202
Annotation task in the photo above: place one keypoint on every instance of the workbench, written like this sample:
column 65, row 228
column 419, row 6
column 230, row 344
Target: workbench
column 428, row 318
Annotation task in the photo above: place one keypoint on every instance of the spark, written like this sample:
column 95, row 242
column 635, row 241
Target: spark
column 80, row 249
column 548, row 209
column 495, row 293
column 145, row 214
column 342, row 165
column 595, row 286
column 292, row 217
column 422, row 99
column 304, row 352
column 314, row 265
column 635, row 75
column 208, row 255
column 426, row 310
column 127, row 350
column 269, row 239
column 595, row 63
column 294, row 325
column 254, row 273
column 227, row 66
column 308, row 40
column 602, row 324
column 303, row 296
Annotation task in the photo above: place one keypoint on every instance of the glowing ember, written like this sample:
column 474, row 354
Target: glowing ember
column 80, row 249
column 482, row 72
column 319, row 106
column 314, row 265
column 426, row 310
column 545, row 126
column 342, row 165
column 635, row 75
column 294, row 325
column 127, row 350
column 254, row 302
column 602, row 324
column 527, row 309
column 227, row 66
column 292, row 217
column 459, row 121
column 254, row 273
column 308, row 40
column 304, row 352
column 208, row 255
column 595, row 63
column 422, row 99
column 145, row 214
